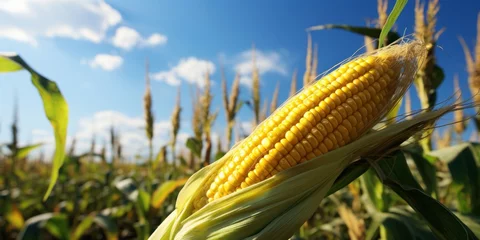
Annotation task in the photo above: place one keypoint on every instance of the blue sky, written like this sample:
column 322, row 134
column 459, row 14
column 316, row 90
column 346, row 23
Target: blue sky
column 96, row 50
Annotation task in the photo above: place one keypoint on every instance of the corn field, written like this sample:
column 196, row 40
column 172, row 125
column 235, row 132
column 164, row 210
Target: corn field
column 346, row 156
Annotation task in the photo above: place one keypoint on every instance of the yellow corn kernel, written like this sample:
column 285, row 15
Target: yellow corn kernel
column 327, row 114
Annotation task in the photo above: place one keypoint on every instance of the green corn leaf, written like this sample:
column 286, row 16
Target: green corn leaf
column 56, row 109
column 473, row 222
column 375, row 191
column 396, row 169
column 443, row 223
column 82, row 227
column 438, row 75
column 396, row 219
column 394, row 228
column 142, row 229
column 365, row 31
column 352, row 172
column 464, row 164
column 58, row 227
column 144, row 200
column 392, row 18
column 195, row 146
column 108, row 224
column 427, row 171
column 219, row 155
column 24, row 151
column 56, row 224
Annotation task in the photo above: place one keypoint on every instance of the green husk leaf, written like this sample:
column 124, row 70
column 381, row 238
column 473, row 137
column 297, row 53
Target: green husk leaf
column 54, row 104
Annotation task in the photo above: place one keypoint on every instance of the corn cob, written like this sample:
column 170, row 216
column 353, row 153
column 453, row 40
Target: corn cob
column 326, row 115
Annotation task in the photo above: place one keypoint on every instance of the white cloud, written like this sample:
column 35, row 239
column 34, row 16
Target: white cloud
column 14, row 6
column 155, row 39
column 69, row 32
column 17, row 34
column 246, row 80
column 191, row 69
column 127, row 38
column 265, row 61
column 85, row 20
column 106, row 62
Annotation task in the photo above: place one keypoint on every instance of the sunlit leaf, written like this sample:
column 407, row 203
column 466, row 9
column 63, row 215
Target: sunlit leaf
column 14, row 217
column 82, row 227
column 55, row 106
column 164, row 190
column 24, row 151
column 392, row 115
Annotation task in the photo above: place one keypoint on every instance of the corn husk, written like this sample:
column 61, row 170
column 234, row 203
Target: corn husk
column 276, row 207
